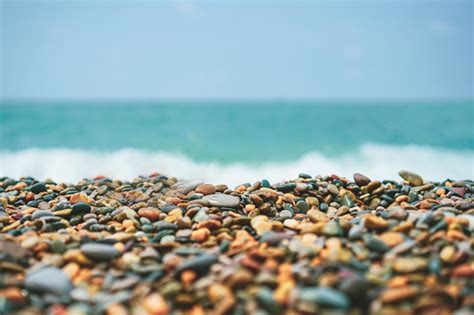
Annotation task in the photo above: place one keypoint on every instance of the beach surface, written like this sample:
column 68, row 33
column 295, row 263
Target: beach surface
column 312, row 244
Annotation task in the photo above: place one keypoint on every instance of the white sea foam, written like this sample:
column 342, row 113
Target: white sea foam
column 376, row 161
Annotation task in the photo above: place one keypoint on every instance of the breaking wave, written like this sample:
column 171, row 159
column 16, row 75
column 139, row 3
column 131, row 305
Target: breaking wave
column 374, row 160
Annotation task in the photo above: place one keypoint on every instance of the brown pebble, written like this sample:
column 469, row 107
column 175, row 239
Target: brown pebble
column 206, row 189
column 155, row 304
column 151, row 214
column 391, row 295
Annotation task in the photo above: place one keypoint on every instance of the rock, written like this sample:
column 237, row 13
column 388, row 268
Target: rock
column 332, row 228
column 206, row 189
column 324, row 297
column 163, row 225
column 151, row 214
column 48, row 280
column 286, row 187
column 156, row 305
column 356, row 288
column 361, row 180
column 333, row 189
column 377, row 244
column 199, row 264
column 38, row 188
column 200, row 235
column 222, row 200
column 261, row 224
column 186, row 186
column 412, row 178
column 397, row 294
column 303, row 206
column 410, row 264
column 41, row 213
column 100, row 251
column 81, row 207
column 373, row 222
column 265, row 298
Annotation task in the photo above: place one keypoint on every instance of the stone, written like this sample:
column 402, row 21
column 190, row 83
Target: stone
column 324, row 296
column 48, row 280
column 41, row 213
column 155, row 304
column 412, row 178
column 38, row 188
column 206, row 189
column 81, row 207
column 361, row 180
column 100, row 251
column 187, row 186
column 332, row 228
column 199, row 264
column 151, row 214
column 410, row 264
column 222, row 200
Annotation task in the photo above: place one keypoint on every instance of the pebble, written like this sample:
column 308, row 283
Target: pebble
column 81, row 207
column 48, row 279
column 361, row 180
column 40, row 213
column 186, row 186
column 311, row 245
column 222, row 200
column 206, row 189
column 38, row 188
column 198, row 264
column 413, row 178
column 324, row 297
column 100, row 251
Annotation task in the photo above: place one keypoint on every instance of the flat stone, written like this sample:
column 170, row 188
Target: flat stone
column 41, row 213
column 222, row 200
column 413, row 178
column 198, row 264
column 187, row 186
column 100, row 251
column 49, row 280
column 324, row 297
column 410, row 264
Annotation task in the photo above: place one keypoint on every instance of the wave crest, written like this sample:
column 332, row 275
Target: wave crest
column 376, row 161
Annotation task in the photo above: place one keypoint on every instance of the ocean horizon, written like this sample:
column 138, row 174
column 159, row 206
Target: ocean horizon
column 236, row 141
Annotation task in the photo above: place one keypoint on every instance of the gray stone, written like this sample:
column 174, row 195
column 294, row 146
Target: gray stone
column 41, row 213
column 186, row 186
column 49, row 280
column 222, row 200
column 99, row 251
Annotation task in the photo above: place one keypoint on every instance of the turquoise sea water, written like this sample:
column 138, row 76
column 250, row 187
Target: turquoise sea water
column 247, row 133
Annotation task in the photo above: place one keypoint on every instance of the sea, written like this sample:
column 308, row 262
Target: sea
column 235, row 142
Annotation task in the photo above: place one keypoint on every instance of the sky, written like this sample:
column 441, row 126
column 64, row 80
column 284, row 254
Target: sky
column 236, row 49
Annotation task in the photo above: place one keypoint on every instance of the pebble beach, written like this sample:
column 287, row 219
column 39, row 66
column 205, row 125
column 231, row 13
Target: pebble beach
column 310, row 245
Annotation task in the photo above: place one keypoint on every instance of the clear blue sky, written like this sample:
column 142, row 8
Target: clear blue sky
column 221, row 49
